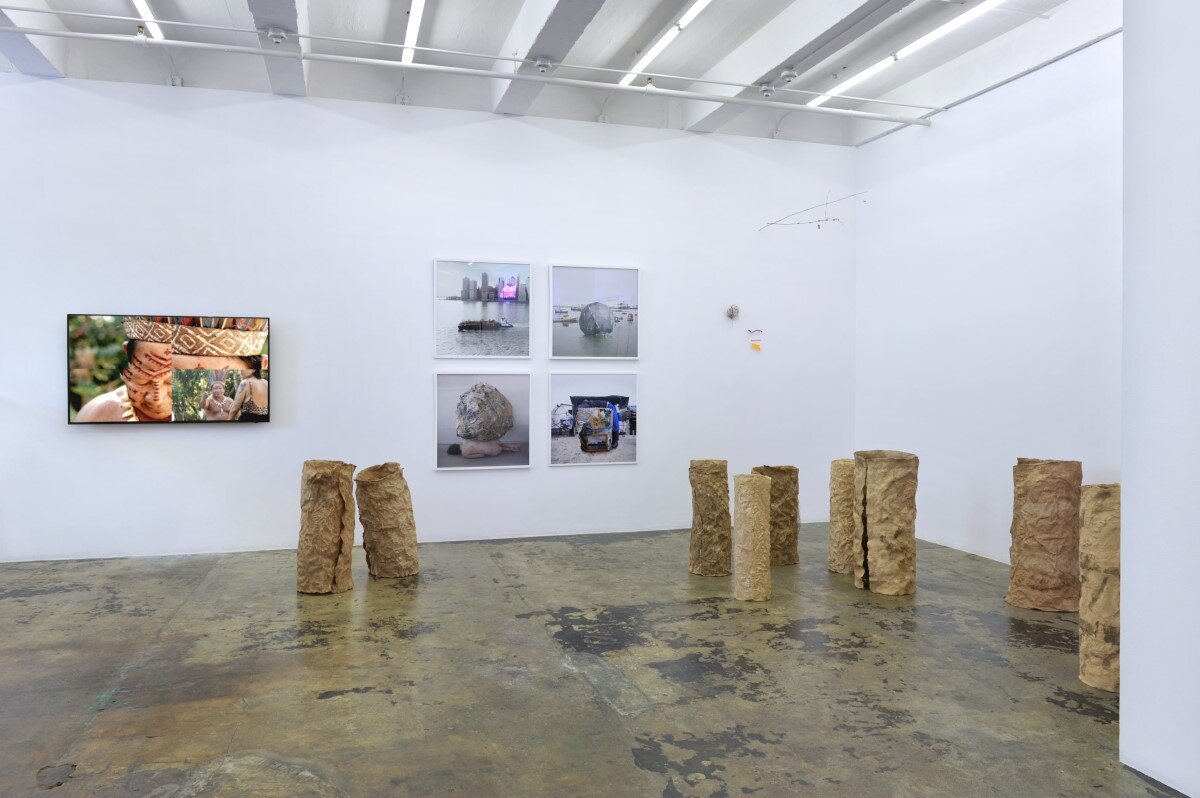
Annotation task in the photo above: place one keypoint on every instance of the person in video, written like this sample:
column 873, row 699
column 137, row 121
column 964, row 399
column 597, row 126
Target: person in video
column 252, row 401
column 216, row 406
column 146, row 393
column 157, row 345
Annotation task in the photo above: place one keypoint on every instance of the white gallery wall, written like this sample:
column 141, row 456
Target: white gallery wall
column 989, row 293
column 1160, row 647
column 326, row 216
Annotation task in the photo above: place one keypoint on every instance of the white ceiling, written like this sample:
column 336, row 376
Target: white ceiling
column 737, row 41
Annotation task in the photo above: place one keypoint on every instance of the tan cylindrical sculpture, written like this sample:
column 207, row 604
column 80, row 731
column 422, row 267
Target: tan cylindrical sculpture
column 1044, row 556
column 385, row 510
column 1100, row 586
column 326, row 527
column 785, row 512
column 885, row 522
column 708, row 554
column 752, row 537
column 841, row 516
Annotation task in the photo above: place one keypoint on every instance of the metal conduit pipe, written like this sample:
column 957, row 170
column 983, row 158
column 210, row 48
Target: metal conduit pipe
column 463, row 53
column 652, row 91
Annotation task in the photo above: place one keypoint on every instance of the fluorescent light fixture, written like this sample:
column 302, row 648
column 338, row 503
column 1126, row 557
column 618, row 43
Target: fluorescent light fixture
column 948, row 28
column 692, row 13
column 650, row 55
column 906, row 51
column 143, row 9
column 656, row 49
column 415, row 12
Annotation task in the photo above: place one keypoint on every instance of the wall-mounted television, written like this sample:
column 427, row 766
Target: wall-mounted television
column 167, row 369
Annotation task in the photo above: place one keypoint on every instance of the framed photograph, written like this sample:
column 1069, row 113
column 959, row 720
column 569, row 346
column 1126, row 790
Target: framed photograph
column 167, row 369
column 480, row 309
column 593, row 419
column 594, row 312
column 482, row 420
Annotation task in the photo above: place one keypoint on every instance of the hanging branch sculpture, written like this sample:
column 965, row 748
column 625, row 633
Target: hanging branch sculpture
column 782, row 222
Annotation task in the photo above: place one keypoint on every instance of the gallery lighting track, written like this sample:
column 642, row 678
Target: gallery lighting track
column 668, row 36
column 468, row 71
column 906, row 51
column 482, row 56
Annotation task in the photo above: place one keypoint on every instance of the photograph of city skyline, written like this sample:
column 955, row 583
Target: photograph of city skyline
column 481, row 309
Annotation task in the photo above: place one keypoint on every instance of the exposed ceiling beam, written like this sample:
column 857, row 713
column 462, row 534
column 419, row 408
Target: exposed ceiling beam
column 1020, row 51
column 44, row 60
column 287, row 76
column 543, row 29
column 821, row 27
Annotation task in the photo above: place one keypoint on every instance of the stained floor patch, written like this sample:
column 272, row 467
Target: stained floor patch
column 590, row 666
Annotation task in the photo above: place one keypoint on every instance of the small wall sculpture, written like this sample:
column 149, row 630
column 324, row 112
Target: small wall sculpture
column 752, row 537
column 386, row 512
column 885, row 515
column 709, row 551
column 1044, row 556
column 326, row 527
column 841, row 516
column 1100, row 586
column 785, row 512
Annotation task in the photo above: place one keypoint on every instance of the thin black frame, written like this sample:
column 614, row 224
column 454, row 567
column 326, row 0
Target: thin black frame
column 73, row 423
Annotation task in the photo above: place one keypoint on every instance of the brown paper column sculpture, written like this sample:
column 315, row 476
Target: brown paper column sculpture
column 1044, row 556
column 785, row 512
column 385, row 510
column 326, row 527
column 841, row 516
column 708, row 554
column 885, row 518
column 1100, row 586
column 752, row 537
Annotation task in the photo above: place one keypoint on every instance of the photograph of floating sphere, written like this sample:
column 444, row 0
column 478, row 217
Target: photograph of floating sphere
column 482, row 420
column 593, row 419
column 480, row 309
column 593, row 312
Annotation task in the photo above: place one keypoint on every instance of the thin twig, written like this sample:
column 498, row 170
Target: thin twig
column 780, row 220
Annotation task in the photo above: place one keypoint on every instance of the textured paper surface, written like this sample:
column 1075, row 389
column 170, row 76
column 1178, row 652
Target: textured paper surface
column 752, row 537
column 483, row 413
column 1044, row 556
column 1100, row 586
column 785, row 512
column 709, row 552
column 326, row 527
column 389, row 531
column 841, row 516
column 885, row 518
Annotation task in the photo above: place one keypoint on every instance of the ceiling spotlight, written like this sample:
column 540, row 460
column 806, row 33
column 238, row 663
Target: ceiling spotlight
column 766, row 89
column 542, row 65
column 276, row 35
column 788, row 75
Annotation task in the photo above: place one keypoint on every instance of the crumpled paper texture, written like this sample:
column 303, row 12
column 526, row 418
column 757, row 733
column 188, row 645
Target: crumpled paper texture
column 1044, row 555
column 785, row 512
column 841, row 516
column 596, row 318
column 386, row 512
column 326, row 527
column 483, row 413
column 1100, row 586
column 709, row 551
column 752, row 537
column 885, row 522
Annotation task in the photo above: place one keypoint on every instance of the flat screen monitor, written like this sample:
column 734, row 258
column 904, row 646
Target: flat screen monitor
column 167, row 369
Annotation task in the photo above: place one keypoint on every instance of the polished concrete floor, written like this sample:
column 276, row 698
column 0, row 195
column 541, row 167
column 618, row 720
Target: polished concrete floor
column 572, row 666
